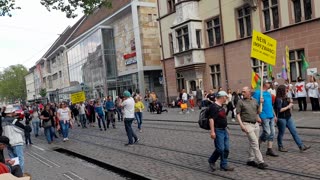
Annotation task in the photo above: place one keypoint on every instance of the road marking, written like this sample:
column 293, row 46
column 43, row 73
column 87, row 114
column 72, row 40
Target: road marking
column 41, row 149
column 39, row 160
column 46, row 159
column 68, row 177
column 76, row 175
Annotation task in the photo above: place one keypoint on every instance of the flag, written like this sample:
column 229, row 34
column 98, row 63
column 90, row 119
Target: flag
column 283, row 70
column 269, row 71
column 287, row 59
column 305, row 64
column 255, row 80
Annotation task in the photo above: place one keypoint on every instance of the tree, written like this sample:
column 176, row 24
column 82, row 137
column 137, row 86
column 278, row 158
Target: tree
column 43, row 92
column 12, row 82
column 69, row 7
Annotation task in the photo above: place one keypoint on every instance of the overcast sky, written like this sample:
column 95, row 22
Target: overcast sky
column 28, row 34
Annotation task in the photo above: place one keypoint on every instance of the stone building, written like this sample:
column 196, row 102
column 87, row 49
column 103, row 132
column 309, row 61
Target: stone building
column 207, row 43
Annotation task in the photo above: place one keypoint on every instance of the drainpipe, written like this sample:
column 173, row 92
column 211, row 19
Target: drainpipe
column 223, row 46
column 163, row 62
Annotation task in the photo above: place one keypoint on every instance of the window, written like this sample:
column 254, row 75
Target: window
column 215, row 75
column 171, row 44
column 244, row 21
column 60, row 74
column 214, row 32
column 271, row 14
column 180, row 82
column 42, row 65
column 198, row 38
column 256, row 67
column 183, row 38
column 53, row 61
column 296, row 64
column 171, row 6
column 55, row 77
column 299, row 9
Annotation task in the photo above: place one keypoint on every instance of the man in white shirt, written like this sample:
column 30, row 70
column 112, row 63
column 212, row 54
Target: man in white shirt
column 128, row 114
column 82, row 114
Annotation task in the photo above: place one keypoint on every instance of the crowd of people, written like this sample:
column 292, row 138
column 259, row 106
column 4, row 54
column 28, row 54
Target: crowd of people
column 57, row 119
column 270, row 107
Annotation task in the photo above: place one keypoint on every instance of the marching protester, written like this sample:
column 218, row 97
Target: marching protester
column 248, row 118
column 46, row 117
column 111, row 108
column 64, row 116
column 219, row 132
column 118, row 102
column 98, row 109
column 283, row 108
column 27, row 133
column 301, row 94
column 128, row 114
column 313, row 93
column 14, row 130
column 267, row 116
column 90, row 113
column 199, row 97
column 35, row 121
column 82, row 114
column 138, row 108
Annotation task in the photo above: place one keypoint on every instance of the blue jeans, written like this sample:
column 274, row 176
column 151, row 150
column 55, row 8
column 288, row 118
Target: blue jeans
column 17, row 151
column 222, row 148
column 64, row 128
column 48, row 133
column 82, row 118
column 129, row 130
column 119, row 114
column 35, row 125
column 289, row 123
column 101, row 118
column 267, row 130
column 138, row 116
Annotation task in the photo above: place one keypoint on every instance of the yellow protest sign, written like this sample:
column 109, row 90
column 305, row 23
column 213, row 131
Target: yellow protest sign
column 287, row 59
column 78, row 97
column 263, row 48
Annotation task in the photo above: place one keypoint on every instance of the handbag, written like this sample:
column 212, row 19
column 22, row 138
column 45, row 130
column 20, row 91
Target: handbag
column 184, row 106
column 46, row 124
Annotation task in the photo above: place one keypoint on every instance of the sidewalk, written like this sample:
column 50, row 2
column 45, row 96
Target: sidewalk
column 303, row 119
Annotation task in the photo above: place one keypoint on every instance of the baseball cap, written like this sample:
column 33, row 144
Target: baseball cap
column 265, row 81
column 221, row 94
column 9, row 109
column 126, row 94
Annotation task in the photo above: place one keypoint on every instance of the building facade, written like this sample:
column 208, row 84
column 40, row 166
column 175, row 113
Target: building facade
column 207, row 43
column 30, row 85
column 117, row 49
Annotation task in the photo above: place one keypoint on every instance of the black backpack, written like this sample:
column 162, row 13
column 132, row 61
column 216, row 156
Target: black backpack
column 204, row 119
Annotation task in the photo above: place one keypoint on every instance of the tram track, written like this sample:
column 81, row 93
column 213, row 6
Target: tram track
column 233, row 160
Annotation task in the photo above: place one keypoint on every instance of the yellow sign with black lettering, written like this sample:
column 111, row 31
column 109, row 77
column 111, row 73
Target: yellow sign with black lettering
column 78, row 97
column 264, row 48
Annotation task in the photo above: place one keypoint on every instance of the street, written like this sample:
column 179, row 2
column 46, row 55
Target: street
column 168, row 149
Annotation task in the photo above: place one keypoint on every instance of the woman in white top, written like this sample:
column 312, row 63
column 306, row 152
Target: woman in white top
column 301, row 93
column 64, row 116
column 313, row 93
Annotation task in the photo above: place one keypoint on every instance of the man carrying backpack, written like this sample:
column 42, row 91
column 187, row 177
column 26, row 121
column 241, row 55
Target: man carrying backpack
column 218, row 132
column 248, row 118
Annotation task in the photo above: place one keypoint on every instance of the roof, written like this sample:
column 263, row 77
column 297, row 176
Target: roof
column 96, row 17
column 61, row 40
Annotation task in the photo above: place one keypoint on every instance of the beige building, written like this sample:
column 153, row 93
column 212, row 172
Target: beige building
column 207, row 43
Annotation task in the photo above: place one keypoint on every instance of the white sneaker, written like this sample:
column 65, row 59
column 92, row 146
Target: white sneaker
column 233, row 120
column 192, row 109
column 67, row 139
column 188, row 112
column 64, row 139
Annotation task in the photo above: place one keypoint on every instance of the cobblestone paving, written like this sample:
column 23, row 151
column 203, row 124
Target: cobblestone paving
column 176, row 150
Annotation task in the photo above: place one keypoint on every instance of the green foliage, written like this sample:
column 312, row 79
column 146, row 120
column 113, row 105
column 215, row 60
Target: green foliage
column 67, row 6
column 12, row 82
column 43, row 92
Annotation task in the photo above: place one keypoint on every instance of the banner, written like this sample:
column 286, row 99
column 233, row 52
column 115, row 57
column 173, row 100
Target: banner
column 264, row 48
column 78, row 97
